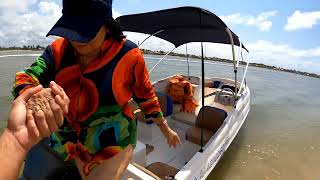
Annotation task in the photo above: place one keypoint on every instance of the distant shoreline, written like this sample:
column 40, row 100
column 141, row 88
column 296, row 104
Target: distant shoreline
column 14, row 48
column 215, row 59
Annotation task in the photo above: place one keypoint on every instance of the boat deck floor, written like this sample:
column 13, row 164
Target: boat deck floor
column 179, row 156
column 175, row 157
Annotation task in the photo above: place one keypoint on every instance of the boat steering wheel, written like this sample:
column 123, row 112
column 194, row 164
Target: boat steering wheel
column 228, row 90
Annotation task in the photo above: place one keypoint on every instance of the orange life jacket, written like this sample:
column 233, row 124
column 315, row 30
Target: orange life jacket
column 181, row 92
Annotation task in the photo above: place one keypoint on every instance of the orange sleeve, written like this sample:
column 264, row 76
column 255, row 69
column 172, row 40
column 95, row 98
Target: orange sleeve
column 143, row 91
column 43, row 70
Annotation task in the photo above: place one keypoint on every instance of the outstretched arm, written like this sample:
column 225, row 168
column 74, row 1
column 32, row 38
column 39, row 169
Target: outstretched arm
column 147, row 100
column 42, row 71
column 12, row 152
column 11, row 156
column 24, row 130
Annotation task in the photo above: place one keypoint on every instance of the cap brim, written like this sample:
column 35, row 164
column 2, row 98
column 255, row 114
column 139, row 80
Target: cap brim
column 77, row 28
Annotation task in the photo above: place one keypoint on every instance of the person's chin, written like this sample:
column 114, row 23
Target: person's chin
column 83, row 51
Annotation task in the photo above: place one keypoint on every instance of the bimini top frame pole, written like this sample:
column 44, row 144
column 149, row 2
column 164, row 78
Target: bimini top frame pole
column 235, row 68
column 240, row 57
column 239, row 53
column 245, row 71
column 188, row 60
column 161, row 60
column 162, row 57
column 150, row 37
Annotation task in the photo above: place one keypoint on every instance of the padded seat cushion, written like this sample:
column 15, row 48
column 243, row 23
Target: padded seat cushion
column 194, row 135
column 210, row 119
column 186, row 118
column 162, row 170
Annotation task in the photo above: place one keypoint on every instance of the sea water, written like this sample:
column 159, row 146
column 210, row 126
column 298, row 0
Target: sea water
column 279, row 139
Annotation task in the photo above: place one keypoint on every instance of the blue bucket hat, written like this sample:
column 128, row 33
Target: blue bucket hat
column 82, row 19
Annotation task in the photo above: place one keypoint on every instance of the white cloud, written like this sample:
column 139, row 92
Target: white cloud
column 261, row 21
column 262, row 46
column 13, row 6
column 24, row 26
column 261, row 51
column 49, row 8
column 115, row 14
column 283, row 55
column 302, row 20
column 152, row 43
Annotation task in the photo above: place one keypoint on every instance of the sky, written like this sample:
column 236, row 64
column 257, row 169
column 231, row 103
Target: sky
column 284, row 33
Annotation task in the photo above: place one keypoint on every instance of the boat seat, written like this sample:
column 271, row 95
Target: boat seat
column 194, row 135
column 190, row 118
column 210, row 119
column 136, row 171
column 184, row 117
column 162, row 170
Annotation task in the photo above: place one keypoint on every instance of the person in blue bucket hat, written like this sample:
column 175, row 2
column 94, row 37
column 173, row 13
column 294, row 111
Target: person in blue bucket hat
column 100, row 72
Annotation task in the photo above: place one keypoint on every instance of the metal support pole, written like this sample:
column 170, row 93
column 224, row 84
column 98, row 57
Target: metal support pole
column 160, row 60
column 188, row 60
column 202, row 84
column 149, row 37
column 202, row 89
column 244, row 74
column 234, row 64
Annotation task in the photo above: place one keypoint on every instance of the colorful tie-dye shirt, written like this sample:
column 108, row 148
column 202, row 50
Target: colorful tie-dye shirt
column 100, row 122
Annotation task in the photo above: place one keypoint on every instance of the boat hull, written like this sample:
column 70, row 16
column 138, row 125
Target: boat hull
column 202, row 163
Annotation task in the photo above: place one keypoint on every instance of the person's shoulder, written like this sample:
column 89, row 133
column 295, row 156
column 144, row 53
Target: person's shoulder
column 133, row 49
column 55, row 50
column 58, row 42
column 130, row 44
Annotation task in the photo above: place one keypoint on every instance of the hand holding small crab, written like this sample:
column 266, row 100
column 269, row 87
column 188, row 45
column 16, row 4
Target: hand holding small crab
column 38, row 113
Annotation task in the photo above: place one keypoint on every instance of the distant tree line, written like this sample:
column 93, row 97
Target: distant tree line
column 147, row 51
column 260, row 65
column 24, row 47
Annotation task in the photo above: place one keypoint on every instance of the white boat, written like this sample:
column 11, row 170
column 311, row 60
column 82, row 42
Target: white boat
column 224, row 103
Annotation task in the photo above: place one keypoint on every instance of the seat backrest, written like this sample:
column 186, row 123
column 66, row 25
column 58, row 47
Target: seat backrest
column 210, row 118
column 166, row 103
